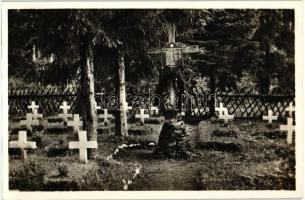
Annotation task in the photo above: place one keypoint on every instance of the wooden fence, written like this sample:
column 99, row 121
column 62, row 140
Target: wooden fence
column 243, row 104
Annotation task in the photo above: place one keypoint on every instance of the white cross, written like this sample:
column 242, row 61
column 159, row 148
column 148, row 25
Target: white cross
column 96, row 106
column 36, row 115
column 220, row 109
column 127, row 108
column 22, row 144
column 65, row 109
column 33, row 106
column 270, row 117
column 290, row 109
column 142, row 115
column 289, row 128
column 29, row 121
column 154, row 110
column 83, row 144
column 76, row 123
column 225, row 116
column 106, row 116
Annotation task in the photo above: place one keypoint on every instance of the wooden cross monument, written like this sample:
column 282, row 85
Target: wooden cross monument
column 172, row 52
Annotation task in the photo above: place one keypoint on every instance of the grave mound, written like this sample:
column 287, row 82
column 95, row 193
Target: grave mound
column 58, row 130
column 105, row 130
column 224, row 133
column 173, row 141
column 230, row 147
column 55, row 120
column 276, row 134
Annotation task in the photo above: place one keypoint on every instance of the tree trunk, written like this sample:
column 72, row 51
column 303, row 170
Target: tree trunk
column 264, row 79
column 87, row 90
column 213, row 93
column 121, row 126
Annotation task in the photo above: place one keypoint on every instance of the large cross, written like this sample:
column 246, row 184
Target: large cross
column 142, row 115
column 290, row 109
column 33, row 106
column 225, row 116
column 173, row 51
column 289, row 128
column 270, row 117
column 76, row 123
column 83, row 144
column 22, row 144
column 105, row 116
column 29, row 121
column 65, row 109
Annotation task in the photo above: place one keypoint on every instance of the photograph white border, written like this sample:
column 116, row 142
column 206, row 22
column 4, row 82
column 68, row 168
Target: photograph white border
column 219, row 194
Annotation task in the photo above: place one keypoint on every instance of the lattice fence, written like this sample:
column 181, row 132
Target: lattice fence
column 48, row 98
column 243, row 104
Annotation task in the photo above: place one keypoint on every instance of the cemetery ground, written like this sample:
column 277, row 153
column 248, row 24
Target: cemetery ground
column 242, row 155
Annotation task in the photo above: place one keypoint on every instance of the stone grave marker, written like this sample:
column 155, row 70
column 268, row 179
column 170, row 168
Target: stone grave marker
column 142, row 115
column 154, row 110
column 29, row 121
column 22, row 144
column 289, row 128
column 96, row 106
column 127, row 107
column 220, row 109
column 290, row 109
column 33, row 107
column 225, row 116
column 76, row 123
column 270, row 117
column 106, row 116
column 65, row 115
column 83, row 144
column 36, row 115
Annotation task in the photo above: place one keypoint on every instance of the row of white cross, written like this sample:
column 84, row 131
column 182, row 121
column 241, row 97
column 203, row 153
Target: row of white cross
column 290, row 128
column 32, row 118
column 83, row 144
column 106, row 116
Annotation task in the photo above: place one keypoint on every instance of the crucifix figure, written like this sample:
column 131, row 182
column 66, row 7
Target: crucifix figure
column 22, row 144
column 173, row 51
column 172, row 56
column 270, row 117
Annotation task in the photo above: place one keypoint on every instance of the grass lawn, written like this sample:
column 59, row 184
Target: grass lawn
column 239, row 156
